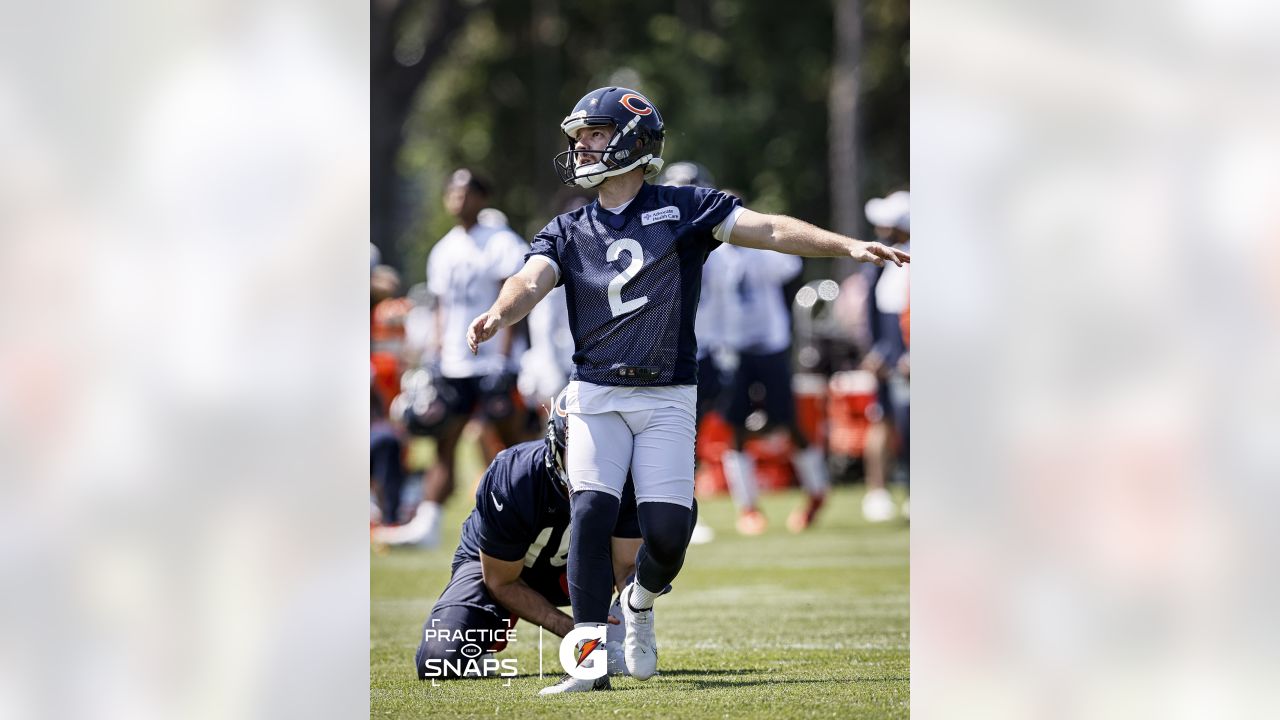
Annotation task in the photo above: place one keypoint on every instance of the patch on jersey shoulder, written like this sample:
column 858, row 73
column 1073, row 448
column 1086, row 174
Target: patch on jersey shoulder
column 670, row 212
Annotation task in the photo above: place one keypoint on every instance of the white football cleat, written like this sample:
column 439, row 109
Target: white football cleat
column 572, row 684
column 702, row 534
column 423, row 530
column 640, row 648
column 617, row 661
column 615, row 635
column 877, row 506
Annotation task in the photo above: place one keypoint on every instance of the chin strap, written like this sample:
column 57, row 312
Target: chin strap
column 593, row 179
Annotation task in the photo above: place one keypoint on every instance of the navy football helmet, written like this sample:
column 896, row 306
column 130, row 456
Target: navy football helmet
column 557, row 439
column 636, row 143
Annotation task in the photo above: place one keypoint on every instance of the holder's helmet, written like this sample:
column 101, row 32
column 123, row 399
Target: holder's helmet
column 637, row 142
column 557, row 439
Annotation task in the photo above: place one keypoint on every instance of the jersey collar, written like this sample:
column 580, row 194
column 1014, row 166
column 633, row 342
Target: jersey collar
column 619, row 221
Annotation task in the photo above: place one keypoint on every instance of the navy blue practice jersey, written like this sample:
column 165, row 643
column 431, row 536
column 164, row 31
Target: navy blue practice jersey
column 633, row 280
column 519, row 515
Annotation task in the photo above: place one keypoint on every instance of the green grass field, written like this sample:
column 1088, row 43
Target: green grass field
column 776, row 626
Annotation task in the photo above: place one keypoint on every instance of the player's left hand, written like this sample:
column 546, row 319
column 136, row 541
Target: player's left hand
column 874, row 252
column 482, row 328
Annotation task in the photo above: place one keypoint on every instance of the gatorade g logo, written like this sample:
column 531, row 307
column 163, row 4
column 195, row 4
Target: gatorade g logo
column 582, row 653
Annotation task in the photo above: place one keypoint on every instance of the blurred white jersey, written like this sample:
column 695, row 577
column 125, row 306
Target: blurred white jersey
column 716, row 303
column 465, row 272
column 419, row 332
column 761, row 316
column 891, row 289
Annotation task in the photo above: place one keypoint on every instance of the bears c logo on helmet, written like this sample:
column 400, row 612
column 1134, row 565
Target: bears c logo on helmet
column 635, row 104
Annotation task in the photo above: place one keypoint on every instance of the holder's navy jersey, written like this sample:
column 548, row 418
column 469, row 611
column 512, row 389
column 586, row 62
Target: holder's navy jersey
column 632, row 281
column 519, row 515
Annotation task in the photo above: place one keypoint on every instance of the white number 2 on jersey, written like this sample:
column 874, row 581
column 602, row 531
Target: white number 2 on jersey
column 616, row 303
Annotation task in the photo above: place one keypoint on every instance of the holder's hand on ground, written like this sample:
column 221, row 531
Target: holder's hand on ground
column 482, row 328
column 874, row 252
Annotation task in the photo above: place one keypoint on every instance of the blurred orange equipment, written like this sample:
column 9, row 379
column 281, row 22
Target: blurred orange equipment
column 906, row 320
column 714, row 437
column 852, row 396
column 386, row 338
column 810, row 390
column 385, row 371
column 386, row 326
column 772, row 453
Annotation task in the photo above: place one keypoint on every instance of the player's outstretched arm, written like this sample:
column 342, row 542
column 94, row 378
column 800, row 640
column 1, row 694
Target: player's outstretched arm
column 518, row 296
column 784, row 234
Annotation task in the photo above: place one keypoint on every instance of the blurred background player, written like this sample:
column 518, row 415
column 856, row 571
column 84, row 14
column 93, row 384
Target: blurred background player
column 527, row 421
column 713, row 302
column 464, row 272
column 759, row 397
column 744, row 334
column 387, row 312
column 511, row 557
column 713, row 314
column 386, row 462
column 545, row 367
column 386, row 361
column 887, row 444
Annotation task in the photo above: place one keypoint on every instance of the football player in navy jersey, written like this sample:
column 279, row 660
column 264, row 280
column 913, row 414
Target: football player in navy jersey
column 510, row 561
column 631, row 265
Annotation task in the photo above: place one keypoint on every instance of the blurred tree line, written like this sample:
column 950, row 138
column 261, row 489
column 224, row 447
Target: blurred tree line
column 761, row 93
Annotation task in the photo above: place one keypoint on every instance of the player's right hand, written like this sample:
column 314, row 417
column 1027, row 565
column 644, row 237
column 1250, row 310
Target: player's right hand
column 482, row 328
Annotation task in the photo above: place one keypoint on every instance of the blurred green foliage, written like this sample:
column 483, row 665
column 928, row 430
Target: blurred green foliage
column 742, row 87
